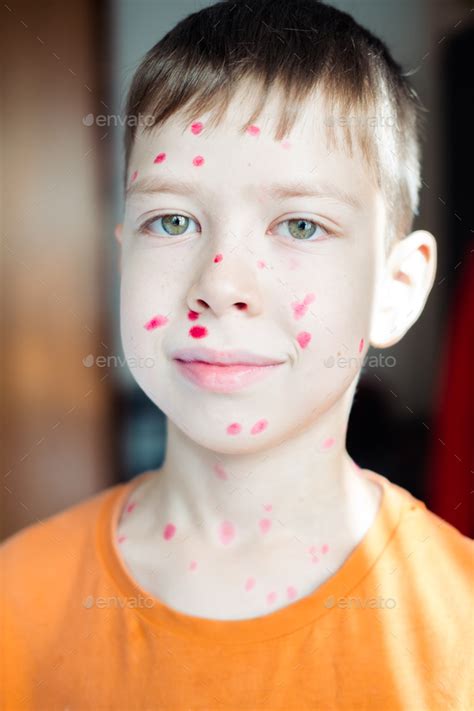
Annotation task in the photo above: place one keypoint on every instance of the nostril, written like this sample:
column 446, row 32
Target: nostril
column 241, row 306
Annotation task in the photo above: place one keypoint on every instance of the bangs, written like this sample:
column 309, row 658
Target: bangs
column 293, row 52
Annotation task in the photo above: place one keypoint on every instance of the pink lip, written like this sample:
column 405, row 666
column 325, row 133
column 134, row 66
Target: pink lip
column 208, row 355
column 223, row 378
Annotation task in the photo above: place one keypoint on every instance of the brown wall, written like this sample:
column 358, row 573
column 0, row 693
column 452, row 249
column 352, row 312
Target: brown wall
column 54, row 409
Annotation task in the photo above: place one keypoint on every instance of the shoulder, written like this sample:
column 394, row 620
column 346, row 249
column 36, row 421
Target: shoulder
column 439, row 557
column 47, row 551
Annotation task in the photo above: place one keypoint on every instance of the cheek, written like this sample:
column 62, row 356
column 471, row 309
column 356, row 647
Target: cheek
column 327, row 311
column 146, row 304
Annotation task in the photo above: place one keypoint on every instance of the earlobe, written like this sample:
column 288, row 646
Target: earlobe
column 403, row 288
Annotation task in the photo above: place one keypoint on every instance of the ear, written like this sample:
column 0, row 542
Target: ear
column 403, row 288
column 118, row 236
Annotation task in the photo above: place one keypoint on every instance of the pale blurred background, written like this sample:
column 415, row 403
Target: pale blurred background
column 72, row 423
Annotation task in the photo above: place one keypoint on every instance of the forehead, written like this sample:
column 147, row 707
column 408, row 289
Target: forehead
column 237, row 162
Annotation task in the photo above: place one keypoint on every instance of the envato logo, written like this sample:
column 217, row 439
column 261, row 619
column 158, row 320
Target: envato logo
column 370, row 121
column 377, row 360
column 361, row 603
column 117, row 602
column 112, row 361
column 141, row 120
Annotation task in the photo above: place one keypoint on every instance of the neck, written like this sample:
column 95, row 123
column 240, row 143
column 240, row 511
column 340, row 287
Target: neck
column 303, row 486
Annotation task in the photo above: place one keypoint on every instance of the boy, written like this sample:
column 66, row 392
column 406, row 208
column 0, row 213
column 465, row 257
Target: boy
column 265, row 245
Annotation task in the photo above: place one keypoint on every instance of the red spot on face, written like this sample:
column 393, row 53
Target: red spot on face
column 131, row 506
column 249, row 583
column 253, row 130
column 226, row 532
column 170, row 530
column 156, row 322
column 196, row 128
column 324, row 548
column 218, row 258
column 121, row 539
column 198, row 331
column 261, row 264
column 160, row 158
column 303, row 338
column 134, row 176
column 193, row 315
column 291, row 592
column 198, row 160
column 265, row 525
column 234, row 428
column 259, row 426
column 361, row 345
column 300, row 307
column 220, row 471
column 271, row 597
column 193, row 565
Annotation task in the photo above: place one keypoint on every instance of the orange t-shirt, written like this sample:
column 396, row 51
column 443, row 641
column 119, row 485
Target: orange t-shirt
column 391, row 629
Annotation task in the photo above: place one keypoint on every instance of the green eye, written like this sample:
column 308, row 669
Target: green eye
column 302, row 229
column 174, row 225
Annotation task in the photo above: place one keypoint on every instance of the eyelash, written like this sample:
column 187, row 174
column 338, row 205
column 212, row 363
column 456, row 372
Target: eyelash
column 143, row 229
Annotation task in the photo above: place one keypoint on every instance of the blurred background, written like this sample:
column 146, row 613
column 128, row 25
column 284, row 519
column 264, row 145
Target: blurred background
column 73, row 421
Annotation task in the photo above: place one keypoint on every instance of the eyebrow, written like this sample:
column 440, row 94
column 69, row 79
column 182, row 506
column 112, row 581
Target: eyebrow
column 152, row 185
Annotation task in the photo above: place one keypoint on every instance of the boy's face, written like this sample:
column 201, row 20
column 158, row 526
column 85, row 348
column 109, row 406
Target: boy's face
column 294, row 280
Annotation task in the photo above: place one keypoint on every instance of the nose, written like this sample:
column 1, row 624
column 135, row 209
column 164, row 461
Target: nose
column 229, row 285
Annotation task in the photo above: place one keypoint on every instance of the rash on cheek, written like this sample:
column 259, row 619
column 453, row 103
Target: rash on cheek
column 303, row 338
column 300, row 307
column 156, row 322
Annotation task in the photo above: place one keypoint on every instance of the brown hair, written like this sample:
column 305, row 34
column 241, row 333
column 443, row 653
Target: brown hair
column 295, row 47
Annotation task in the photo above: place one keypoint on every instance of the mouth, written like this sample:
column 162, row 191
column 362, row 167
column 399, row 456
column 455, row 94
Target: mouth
column 224, row 372
column 234, row 357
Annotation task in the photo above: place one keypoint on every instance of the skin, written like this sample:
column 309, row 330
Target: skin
column 329, row 294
